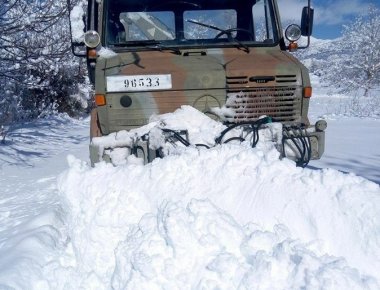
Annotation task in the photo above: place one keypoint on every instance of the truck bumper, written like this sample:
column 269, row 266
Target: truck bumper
column 302, row 145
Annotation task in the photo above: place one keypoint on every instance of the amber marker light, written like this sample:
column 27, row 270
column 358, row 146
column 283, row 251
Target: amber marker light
column 100, row 100
column 91, row 53
column 307, row 92
column 293, row 46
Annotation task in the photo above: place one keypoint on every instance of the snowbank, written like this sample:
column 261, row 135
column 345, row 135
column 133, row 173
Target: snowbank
column 231, row 217
column 177, row 224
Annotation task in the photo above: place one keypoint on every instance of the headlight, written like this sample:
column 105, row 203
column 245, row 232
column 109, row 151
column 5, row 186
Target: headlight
column 91, row 39
column 293, row 32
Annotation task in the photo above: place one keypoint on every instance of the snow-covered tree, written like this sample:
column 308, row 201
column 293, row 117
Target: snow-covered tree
column 355, row 63
column 38, row 74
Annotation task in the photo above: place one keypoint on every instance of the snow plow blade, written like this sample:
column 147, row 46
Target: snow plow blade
column 298, row 143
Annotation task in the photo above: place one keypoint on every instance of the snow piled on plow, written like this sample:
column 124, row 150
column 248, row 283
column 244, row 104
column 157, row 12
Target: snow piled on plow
column 229, row 217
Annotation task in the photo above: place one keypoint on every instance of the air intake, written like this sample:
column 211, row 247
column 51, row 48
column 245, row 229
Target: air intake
column 280, row 103
column 239, row 80
column 280, row 79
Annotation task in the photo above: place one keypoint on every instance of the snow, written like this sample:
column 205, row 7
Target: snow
column 106, row 53
column 352, row 143
column 149, row 224
column 77, row 23
column 228, row 217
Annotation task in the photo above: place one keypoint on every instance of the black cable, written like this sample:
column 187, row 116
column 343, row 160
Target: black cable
column 241, row 139
column 202, row 145
column 177, row 136
column 295, row 134
column 182, row 140
column 297, row 137
column 308, row 149
column 250, row 127
column 302, row 151
column 254, row 125
column 255, row 136
column 306, row 153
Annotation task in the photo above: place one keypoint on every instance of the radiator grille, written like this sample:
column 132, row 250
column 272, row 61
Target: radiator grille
column 238, row 80
column 281, row 103
column 235, row 81
column 286, row 79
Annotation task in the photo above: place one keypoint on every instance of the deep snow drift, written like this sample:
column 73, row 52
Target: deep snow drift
column 231, row 217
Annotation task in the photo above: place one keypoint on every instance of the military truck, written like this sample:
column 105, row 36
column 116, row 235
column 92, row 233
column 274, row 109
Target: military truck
column 204, row 53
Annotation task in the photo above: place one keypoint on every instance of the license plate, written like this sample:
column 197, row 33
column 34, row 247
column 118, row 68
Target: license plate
column 139, row 83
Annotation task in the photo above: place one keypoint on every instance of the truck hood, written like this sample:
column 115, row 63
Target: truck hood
column 209, row 68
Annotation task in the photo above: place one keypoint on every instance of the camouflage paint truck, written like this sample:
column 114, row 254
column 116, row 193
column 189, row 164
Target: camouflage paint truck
column 204, row 53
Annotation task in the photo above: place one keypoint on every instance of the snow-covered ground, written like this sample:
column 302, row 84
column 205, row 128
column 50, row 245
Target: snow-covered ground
column 230, row 217
column 352, row 143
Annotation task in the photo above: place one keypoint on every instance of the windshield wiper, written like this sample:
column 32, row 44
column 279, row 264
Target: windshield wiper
column 227, row 32
column 206, row 25
column 151, row 44
column 137, row 42
column 161, row 47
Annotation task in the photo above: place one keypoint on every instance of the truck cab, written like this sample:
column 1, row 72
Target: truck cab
column 227, row 58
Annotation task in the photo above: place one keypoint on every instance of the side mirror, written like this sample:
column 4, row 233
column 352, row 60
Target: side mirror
column 77, row 29
column 78, row 49
column 307, row 21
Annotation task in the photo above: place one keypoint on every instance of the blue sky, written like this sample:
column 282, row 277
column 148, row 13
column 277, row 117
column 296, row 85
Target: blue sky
column 329, row 15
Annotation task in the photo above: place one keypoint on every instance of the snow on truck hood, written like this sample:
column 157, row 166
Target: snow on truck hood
column 231, row 217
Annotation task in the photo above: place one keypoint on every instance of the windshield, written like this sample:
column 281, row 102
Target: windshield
column 181, row 23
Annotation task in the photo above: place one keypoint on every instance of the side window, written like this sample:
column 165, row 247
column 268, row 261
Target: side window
column 222, row 19
column 262, row 21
